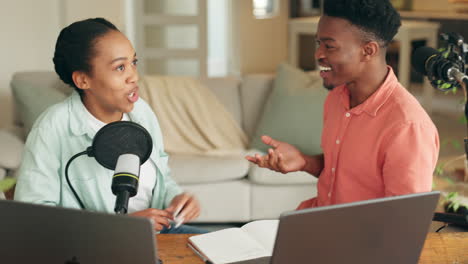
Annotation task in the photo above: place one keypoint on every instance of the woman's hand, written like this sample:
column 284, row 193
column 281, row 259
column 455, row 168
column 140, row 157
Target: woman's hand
column 159, row 218
column 186, row 205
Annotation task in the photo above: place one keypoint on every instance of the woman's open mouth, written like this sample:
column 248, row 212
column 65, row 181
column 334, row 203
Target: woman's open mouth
column 133, row 96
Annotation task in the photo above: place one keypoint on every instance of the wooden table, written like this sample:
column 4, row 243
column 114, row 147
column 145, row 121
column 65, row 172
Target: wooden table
column 440, row 248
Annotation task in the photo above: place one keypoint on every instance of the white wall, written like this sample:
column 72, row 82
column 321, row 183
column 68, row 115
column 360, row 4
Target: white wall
column 28, row 31
column 259, row 45
column 112, row 10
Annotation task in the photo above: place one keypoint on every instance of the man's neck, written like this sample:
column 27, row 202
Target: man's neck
column 362, row 88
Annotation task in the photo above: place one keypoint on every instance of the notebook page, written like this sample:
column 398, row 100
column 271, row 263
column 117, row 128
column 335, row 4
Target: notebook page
column 264, row 231
column 228, row 245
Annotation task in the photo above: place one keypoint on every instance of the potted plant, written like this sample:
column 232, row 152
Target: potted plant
column 6, row 184
column 453, row 204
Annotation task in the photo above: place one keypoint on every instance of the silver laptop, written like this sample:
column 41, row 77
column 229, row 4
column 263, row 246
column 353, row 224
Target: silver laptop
column 388, row 230
column 44, row 234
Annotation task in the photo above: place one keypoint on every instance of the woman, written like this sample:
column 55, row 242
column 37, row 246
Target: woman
column 99, row 62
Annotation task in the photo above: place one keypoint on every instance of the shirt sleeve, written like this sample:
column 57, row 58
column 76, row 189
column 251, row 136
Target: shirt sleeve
column 410, row 158
column 38, row 176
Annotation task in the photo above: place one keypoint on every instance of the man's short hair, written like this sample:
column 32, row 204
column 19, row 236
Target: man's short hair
column 378, row 19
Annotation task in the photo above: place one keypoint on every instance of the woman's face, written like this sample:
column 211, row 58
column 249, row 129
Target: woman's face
column 111, row 88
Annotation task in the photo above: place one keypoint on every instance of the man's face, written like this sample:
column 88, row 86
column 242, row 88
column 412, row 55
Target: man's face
column 339, row 51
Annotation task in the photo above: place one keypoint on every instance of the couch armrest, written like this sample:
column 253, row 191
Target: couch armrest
column 33, row 92
column 12, row 150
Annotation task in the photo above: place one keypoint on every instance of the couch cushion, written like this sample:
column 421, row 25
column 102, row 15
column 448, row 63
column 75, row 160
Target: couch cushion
column 270, row 201
column 2, row 176
column 2, row 173
column 228, row 201
column 254, row 90
column 34, row 92
column 227, row 91
column 201, row 169
column 269, row 177
column 294, row 111
column 12, row 149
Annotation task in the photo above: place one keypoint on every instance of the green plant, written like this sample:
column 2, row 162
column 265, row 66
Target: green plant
column 6, row 184
column 454, row 205
column 451, row 204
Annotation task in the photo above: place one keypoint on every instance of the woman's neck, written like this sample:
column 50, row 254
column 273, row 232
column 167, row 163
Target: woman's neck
column 99, row 111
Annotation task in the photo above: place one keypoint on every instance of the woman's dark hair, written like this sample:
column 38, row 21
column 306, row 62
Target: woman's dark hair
column 75, row 47
column 377, row 18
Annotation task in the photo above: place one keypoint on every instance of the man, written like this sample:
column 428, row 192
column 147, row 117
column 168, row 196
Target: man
column 377, row 140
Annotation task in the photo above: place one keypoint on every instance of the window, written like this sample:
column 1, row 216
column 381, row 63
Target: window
column 265, row 8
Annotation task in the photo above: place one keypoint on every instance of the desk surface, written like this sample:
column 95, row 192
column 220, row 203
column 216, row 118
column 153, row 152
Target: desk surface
column 434, row 15
column 440, row 248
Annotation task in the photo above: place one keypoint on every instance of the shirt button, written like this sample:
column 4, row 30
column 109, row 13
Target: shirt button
column 337, row 141
column 348, row 115
column 333, row 170
column 329, row 194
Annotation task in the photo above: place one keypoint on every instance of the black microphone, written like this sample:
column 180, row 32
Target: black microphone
column 436, row 67
column 125, row 181
column 122, row 146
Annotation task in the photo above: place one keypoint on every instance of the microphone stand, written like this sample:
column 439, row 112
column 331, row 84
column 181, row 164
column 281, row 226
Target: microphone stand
column 454, row 218
column 464, row 85
column 462, row 79
column 121, row 203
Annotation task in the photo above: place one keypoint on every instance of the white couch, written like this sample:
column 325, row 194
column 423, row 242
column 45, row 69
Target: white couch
column 229, row 189
column 11, row 148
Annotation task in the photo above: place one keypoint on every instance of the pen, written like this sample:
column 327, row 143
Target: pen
column 178, row 220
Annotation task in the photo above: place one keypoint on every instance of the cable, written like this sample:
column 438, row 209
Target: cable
column 442, row 227
column 68, row 179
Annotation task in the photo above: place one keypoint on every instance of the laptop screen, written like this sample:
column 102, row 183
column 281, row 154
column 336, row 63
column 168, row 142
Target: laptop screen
column 387, row 230
column 44, row 234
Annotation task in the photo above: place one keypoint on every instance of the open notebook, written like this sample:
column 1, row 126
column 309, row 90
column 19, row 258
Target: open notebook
column 253, row 240
column 385, row 231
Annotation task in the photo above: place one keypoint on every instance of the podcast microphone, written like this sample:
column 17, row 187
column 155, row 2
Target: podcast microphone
column 435, row 66
column 125, row 181
column 122, row 146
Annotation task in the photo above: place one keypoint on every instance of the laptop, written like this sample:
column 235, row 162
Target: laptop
column 44, row 234
column 387, row 230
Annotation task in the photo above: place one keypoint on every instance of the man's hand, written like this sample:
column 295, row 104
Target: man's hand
column 159, row 218
column 187, row 206
column 283, row 157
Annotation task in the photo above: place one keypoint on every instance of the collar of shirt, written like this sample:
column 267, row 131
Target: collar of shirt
column 97, row 124
column 372, row 104
column 79, row 126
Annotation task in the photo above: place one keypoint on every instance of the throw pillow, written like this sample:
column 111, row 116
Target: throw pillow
column 293, row 112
